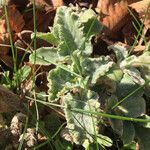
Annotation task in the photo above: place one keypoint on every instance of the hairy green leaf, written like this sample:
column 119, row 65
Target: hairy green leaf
column 135, row 75
column 48, row 37
column 117, row 125
column 91, row 26
column 67, row 29
column 120, row 51
column 104, row 140
column 128, row 132
column 96, row 67
column 45, row 56
column 133, row 107
column 58, row 80
column 146, row 124
column 131, row 146
column 115, row 74
column 144, row 65
column 143, row 135
column 111, row 101
column 127, row 86
column 82, row 126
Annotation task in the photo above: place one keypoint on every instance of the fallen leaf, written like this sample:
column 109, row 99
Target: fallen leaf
column 17, row 124
column 5, row 136
column 104, row 4
column 132, row 1
column 9, row 101
column 2, row 122
column 113, row 14
column 4, row 39
column 128, row 31
column 3, row 27
column 16, row 24
column 43, row 21
column 7, row 60
column 15, row 19
column 143, row 9
column 18, row 3
column 57, row 3
column 48, row 4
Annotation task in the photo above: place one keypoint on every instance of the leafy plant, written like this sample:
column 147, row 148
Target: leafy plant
column 97, row 84
column 18, row 77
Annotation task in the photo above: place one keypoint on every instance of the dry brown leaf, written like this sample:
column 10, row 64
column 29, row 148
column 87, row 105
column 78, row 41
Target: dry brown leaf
column 7, row 60
column 143, row 9
column 16, row 24
column 42, row 4
column 5, row 135
column 43, row 21
column 17, row 122
column 113, row 14
column 129, row 32
column 57, row 3
column 3, row 27
column 9, row 101
column 104, row 4
column 15, row 19
column 18, row 3
column 132, row 1
column 4, row 39
column 4, row 36
column 48, row 4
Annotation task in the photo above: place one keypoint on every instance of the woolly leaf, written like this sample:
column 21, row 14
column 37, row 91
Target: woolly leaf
column 143, row 135
column 115, row 73
column 117, row 125
column 111, row 101
column 48, row 37
column 144, row 64
column 104, row 140
column 131, row 146
column 128, row 132
column 81, row 126
column 96, row 67
column 127, row 86
column 144, row 124
column 133, row 104
column 45, row 56
column 135, row 75
column 58, row 79
column 128, row 62
column 76, row 62
column 120, row 51
column 91, row 26
column 107, row 84
column 70, row 30
column 133, row 107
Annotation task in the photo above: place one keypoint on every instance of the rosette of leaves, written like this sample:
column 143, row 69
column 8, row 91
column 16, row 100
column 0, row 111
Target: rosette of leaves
column 76, row 70
column 71, row 39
